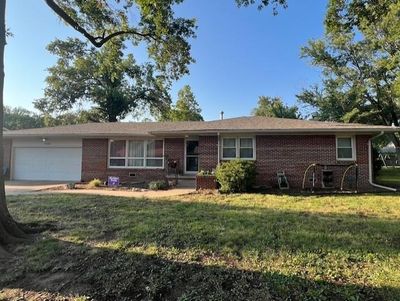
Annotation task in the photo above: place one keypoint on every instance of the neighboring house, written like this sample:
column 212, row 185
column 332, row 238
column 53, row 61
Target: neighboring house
column 141, row 151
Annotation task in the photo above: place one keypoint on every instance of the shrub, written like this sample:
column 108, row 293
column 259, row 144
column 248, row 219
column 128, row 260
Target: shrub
column 71, row 185
column 236, row 176
column 206, row 173
column 95, row 183
column 158, row 185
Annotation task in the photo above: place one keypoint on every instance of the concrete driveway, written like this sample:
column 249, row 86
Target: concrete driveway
column 28, row 187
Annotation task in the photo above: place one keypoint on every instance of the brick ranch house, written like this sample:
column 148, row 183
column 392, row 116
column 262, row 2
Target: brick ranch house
column 146, row 151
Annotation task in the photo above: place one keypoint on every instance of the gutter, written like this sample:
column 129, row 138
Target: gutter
column 219, row 147
column 371, row 180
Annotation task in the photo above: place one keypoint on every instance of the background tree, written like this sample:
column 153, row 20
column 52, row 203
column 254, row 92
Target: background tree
column 71, row 117
column 274, row 107
column 20, row 118
column 112, row 82
column 165, row 36
column 185, row 109
column 360, row 60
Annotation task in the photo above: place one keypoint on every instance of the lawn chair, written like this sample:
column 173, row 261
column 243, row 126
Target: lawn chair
column 282, row 181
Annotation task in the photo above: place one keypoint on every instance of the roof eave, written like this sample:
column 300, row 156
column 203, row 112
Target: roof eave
column 279, row 131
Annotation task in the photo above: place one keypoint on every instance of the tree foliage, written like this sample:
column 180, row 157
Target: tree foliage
column 109, row 80
column 155, row 26
column 360, row 60
column 274, row 107
column 100, row 21
column 71, row 117
column 264, row 3
column 20, row 118
column 185, row 109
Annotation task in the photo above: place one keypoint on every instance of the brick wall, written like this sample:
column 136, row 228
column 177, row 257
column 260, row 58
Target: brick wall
column 208, row 152
column 175, row 150
column 363, row 162
column 94, row 165
column 7, row 156
column 292, row 154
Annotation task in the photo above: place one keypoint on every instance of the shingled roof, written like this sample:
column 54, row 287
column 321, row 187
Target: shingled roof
column 254, row 124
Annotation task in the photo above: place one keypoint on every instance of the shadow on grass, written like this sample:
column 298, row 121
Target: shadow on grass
column 217, row 229
column 102, row 274
column 212, row 226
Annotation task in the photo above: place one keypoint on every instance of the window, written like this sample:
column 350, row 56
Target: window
column 345, row 149
column 136, row 153
column 242, row 148
column 229, row 148
column 117, row 153
column 246, row 148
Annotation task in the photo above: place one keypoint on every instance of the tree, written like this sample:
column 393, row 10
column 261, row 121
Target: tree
column 71, row 117
column 20, row 118
column 360, row 61
column 165, row 36
column 274, row 107
column 263, row 3
column 185, row 109
column 109, row 80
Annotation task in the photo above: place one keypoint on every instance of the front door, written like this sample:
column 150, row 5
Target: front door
column 192, row 156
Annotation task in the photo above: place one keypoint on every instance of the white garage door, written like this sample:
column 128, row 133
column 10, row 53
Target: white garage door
column 51, row 163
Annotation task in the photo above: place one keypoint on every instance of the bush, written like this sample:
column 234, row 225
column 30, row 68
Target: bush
column 158, row 185
column 206, row 173
column 236, row 176
column 71, row 185
column 95, row 183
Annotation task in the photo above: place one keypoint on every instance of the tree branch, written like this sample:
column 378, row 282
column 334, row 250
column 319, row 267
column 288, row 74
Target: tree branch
column 96, row 41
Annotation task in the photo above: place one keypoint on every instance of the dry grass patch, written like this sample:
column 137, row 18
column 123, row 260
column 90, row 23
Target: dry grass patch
column 211, row 247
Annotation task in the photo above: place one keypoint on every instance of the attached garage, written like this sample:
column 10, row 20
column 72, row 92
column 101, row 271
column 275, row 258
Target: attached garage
column 58, row 160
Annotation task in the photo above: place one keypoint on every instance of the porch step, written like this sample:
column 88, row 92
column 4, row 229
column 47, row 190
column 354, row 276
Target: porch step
column 183, row 181
column 186, row 183
column 182, row 177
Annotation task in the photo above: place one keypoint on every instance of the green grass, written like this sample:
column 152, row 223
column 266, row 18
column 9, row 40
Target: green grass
column 207, row 247
column 389, row 176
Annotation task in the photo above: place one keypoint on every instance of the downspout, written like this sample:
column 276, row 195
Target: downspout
column 218, row 148
column 371, row 180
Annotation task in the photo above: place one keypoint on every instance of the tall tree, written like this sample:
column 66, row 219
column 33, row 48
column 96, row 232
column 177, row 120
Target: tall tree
column 360, row 61
column 165, row 36
column 107, row 78
column 185, row 109
column 20, row 118
column 71, row 117
column 274, row 107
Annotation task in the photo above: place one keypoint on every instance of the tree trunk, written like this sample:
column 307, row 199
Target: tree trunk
column 10, row 232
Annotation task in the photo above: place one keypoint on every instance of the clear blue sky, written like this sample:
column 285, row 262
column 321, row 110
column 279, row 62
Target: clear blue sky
column 240, row 53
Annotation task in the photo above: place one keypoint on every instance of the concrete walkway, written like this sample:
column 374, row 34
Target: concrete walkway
column 28, row 187
column 124, row 193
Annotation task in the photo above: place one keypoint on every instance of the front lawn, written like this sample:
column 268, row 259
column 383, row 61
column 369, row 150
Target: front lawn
column 207, row 247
